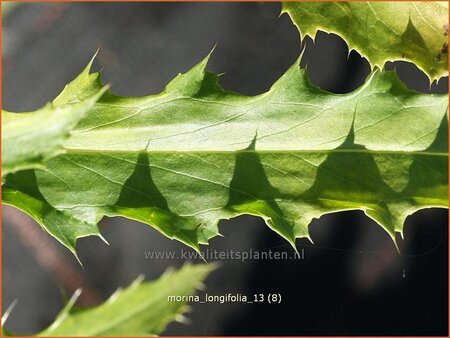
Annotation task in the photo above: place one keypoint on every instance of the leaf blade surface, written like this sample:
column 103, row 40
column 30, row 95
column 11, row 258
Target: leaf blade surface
column 415, row 31
column 194, row 154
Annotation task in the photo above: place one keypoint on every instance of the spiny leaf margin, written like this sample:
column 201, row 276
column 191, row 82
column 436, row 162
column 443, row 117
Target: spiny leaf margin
column 414, row 31
column 170, row 181
column 141, row 309
column 31, row 138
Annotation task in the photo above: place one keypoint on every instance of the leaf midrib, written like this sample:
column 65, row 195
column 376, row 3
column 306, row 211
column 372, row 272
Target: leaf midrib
column 262, row 151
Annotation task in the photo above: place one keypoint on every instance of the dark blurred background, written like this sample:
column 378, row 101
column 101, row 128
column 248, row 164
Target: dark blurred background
column 352, row 281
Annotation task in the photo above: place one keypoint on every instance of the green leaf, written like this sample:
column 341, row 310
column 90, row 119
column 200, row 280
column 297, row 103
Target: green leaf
column 382, row 31
column 141, row 309
column 31, row 138
column 194, row 154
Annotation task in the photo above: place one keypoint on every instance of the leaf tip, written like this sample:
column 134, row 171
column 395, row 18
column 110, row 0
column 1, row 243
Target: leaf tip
column 73, row 251
column 88, row 67
column 103, row 239
column 8, row 311
column 182, row 319
column 308, row 237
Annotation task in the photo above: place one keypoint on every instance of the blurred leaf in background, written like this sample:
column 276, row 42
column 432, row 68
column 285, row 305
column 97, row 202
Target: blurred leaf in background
column 141, row 309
